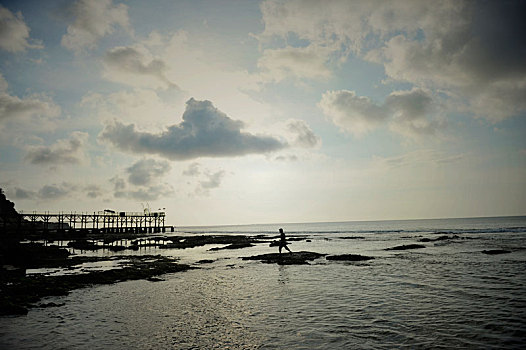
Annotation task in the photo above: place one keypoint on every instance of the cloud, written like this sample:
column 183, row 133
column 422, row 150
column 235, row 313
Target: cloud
column 14, row 33
column 58, row 191
column 94, row 191
column 355, row 114
column 204, row 132
column 144, row 171
column 23, row 194
column 51, row 192
column 305, row 137
column 410, row 113
column 410, row 110
column 212, row 181
column 192, row 170
column 296, row 62
column 133, row 66
column 425, row 157
column 12, row 107
column 65, row 151
column 471, row 51
column 94, row 19
column 143, row 182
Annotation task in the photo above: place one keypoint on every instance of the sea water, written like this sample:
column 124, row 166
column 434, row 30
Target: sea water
column 449, row 294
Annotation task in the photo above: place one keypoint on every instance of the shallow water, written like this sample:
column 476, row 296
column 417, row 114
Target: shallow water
column 448, row 295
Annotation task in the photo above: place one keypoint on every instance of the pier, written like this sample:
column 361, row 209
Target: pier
column 107, row 221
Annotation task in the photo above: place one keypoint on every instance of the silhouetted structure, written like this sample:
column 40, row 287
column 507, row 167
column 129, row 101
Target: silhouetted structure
column 107, row 221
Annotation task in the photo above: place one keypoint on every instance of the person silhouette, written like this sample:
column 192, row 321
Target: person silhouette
column 283, row 241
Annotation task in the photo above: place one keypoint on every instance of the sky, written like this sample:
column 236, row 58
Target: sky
column 241, row 112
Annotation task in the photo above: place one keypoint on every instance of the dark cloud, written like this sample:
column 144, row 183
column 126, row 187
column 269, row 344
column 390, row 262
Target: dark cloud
column 66, row 151
column 144, row 181
column 94, row 191
column 145, row 170
column 50, row 192
column 23, row 194
column 204, row 132
column 410, row 113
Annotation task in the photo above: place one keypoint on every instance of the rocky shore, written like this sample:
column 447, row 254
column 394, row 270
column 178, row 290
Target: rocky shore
column 19, row 291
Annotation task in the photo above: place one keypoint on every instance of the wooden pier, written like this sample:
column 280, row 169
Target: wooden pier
column 107, row 221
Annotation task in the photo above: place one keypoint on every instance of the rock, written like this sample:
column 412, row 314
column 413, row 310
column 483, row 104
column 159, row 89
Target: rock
column 406, row 247
column 83, row 244
column 20, row 293
column 116, row 248
column 496, row 251
column 349, row 257
column 233, row 246
column 204, row 261
column 46, row 305
column 294, row 258
column 441, row 238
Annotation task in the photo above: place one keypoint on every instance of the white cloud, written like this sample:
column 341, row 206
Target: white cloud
column 14, row 32
column 13, row 107
column 204, row 132
column 296, row 62
column 65, row 151
column 136, row 67
column 304, row 136
column 94, row 19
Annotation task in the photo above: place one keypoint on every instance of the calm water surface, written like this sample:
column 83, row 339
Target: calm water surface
column 448, row 295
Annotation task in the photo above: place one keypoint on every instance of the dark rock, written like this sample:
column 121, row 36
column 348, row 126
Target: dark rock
column 116, row 248
column 406, row 247
column 46, row 305
column 20, row 293
column 83, row 244
column 349, row 257
column 441, row 238
column 31, row 254
column 294, row 258
column 204, row 261
column 496, row 251
column 233, row 246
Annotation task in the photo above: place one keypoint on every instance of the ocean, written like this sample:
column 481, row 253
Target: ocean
column 450, row 294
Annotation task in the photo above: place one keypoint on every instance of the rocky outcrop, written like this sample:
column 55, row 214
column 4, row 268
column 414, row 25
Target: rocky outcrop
column 496, row 251
column 349, row 257
column 406, row 247
column 294, row 258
